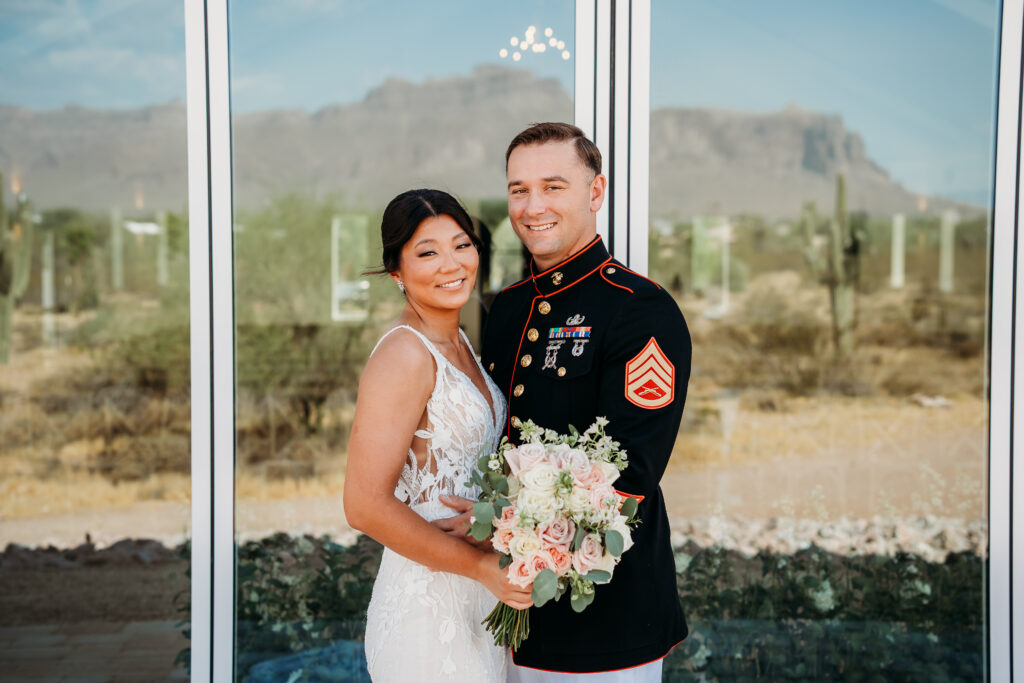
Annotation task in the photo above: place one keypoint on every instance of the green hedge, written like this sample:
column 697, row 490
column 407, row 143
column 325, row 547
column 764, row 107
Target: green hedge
column 811, row 616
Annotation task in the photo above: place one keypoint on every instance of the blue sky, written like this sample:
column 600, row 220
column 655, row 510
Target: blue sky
column 913, row 77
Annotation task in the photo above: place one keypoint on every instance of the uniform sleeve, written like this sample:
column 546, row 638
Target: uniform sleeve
column 644, row 372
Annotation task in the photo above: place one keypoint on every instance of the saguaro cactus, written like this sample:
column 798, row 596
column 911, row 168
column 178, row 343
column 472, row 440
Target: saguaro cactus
column 840, row 266
column 15, row 263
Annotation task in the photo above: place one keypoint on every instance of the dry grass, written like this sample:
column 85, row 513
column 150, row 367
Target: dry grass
column 24, row 496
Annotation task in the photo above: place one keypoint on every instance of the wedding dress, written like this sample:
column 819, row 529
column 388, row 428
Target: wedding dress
column 424, row 625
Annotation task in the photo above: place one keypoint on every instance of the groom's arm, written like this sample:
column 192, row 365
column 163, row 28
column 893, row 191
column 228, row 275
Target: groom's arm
column 645, row 368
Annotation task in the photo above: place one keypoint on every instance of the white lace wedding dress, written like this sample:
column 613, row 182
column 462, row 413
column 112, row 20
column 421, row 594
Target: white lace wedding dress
column 424, row 625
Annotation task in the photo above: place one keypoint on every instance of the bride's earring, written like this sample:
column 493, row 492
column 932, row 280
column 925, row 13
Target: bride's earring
column 401, row 286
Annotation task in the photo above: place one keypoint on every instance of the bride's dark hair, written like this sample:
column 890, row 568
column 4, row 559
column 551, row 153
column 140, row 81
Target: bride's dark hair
column 404, row 214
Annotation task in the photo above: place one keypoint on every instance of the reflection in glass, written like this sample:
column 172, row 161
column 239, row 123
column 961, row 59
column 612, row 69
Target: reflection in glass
column 820, row 208
column 319, row 148
column 94, row 358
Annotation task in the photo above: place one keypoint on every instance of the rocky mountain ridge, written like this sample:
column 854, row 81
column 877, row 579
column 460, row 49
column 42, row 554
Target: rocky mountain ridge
column 449, row 133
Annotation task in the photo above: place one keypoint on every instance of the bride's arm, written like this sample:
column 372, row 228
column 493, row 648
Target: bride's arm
column 393, row 393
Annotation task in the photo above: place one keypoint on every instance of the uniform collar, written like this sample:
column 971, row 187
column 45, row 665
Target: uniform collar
column 571, row 270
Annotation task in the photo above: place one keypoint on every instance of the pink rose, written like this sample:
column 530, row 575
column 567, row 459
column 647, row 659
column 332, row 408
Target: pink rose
column 501, row 538
column 600, row 495
column 557, row 532
column 519, row 573
column 508, row 518
column 589, row 555
column 561, row 559
column 561, row 456
column 531, row 454
column 585, row 474
column 538, row 561
column 512, row 458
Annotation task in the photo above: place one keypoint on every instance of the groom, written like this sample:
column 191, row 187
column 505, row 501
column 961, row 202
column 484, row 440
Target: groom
column 585, row 337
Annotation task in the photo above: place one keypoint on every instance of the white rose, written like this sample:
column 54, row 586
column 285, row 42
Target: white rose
column 522, row 544
column 536, row 504
column 513, row 486
column 610, row 471
column 606, row 563
column 542, row 478
column 578, row 503
column 619, row 524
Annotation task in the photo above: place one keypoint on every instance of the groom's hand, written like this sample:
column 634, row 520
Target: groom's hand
column 460, row 523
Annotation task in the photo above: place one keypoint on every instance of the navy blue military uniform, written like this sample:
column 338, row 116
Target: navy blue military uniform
column 591, row 338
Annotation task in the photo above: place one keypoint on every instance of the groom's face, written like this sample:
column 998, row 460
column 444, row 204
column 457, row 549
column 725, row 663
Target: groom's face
column 553, row 199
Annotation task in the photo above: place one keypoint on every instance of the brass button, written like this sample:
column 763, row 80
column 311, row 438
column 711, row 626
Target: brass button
column 561, row 372
column 491, row 366
column 610, row 271
column 533, row 334
column 516, row 422
column 556, row 278
column 544, row 308
column 518, row 391
column 526, row 360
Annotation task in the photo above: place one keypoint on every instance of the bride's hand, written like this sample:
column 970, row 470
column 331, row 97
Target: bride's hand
column 459, row 524
column 495, row 579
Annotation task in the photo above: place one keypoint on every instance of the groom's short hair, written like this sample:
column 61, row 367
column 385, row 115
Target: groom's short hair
column 553, row 131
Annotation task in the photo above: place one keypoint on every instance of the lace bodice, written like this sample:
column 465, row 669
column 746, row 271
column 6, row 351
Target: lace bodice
column 425, row 625
column 460, row 428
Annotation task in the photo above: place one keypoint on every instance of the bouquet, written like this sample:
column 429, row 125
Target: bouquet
column 549, row 508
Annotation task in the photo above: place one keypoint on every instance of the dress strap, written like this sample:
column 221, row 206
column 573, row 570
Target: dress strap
column 438, row 356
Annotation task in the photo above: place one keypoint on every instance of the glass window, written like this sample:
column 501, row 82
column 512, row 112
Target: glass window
column 94, row 333
column 821, row 187
column 337, row 108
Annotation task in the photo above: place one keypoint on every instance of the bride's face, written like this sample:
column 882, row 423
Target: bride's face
column 438, row 264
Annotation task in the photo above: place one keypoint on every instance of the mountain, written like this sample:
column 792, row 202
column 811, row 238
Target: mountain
column 449, row 133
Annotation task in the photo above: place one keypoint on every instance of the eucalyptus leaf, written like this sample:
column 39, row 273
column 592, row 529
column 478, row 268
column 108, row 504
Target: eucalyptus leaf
column 629, row 507
column 578, row 538
column 505, row 561
column 545, row 585
column 483, row 512
column 482, row 463
column 598, row 575
column 580, row 601
column 480, row 531
column 613, row 541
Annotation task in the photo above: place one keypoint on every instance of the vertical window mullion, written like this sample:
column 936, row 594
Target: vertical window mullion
column 200, row 343
column 1004, row 369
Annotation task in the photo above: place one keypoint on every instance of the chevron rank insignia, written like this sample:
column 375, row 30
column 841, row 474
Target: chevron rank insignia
column 650, row 378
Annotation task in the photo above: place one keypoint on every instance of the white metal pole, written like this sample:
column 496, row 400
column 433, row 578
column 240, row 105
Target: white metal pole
column 222, row 335
column 200, row 343
column 898, row 255
column 161, row 250
column 1006, row 376
column 49, row 298
column 639, row 135
column 946, row 250
column 116, row 250
column 603, row 101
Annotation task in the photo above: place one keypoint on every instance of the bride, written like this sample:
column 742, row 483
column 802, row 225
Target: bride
column 426, row 411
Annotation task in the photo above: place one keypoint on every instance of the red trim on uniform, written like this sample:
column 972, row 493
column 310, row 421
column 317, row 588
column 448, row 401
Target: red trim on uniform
column 639, row 275
column 639, row 498
column 562, row 263
column 613, row 284
column 521, row 282
column 581, row 279
column 606, row 671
